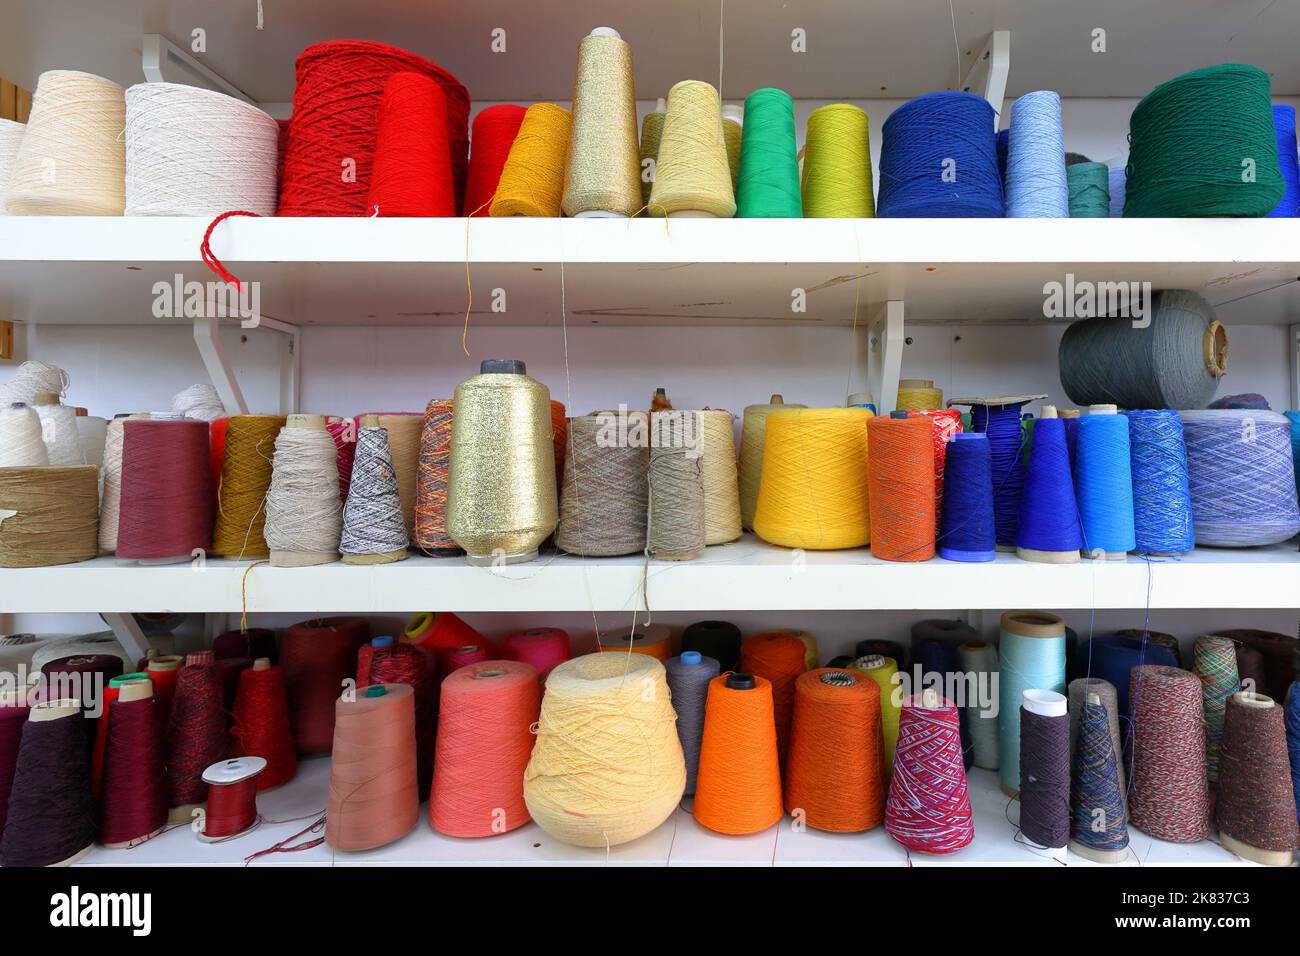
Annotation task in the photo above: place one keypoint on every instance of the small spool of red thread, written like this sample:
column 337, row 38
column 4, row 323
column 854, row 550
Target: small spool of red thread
column 232, row 798
column 493, row 133
column 412, row 174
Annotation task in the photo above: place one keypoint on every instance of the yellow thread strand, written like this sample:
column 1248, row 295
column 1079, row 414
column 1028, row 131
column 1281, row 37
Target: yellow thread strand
column 692, row 174
column 837, row 164
column 469, row 287
column 243, row 594
column 532, row 180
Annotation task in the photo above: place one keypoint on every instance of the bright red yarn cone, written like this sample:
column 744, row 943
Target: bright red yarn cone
column 494, row 132
column 412, row 174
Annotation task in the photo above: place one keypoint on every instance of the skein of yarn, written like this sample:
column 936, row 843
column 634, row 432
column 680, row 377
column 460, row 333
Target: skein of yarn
column 1036, row 180
column 1098, row 819
column 1181, row 169
column 814, row 491
column 692, row 174
column 980, row 658
column 689, row 676
column 1048, row 530
column 239, row 530
column 607, row 766
column 532, row 180
column 938, row 159
column 491, row 137
column 52, row 515
column 900, row 463
column 833, row 771
column 676, row 529
column 72, row 158
column 261, row 723
column 373, row 798
column 175, row 166
column 501, row 497
column 303, row 516
column 166, row 503
column 1255, row 795
column 541, row 647
column 738, row 790
column 374, row 530
column 1103, row 484
column 21, row 441
column 602, row 176
column 317, row 656
column 767, row 183
column 1215, row 662
column 1044, row 769
column 1242, row 477
column 484, row 743
column 719, row 640
column 412, row 172
column 1032, row 652
column 1174, row 361
column 753, row 433
column 1169, row 795
column 720, row 477
column 929, row 809
column 836, row 182
column 606, row 486
column 779, row 658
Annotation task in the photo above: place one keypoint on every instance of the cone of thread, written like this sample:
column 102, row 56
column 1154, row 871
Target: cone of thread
column 692, row 174
column 602, row 174
column 738, row 790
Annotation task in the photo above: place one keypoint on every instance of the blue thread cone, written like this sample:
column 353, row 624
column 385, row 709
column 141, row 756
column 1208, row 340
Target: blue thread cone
column 966, row 521
column 1103, row 484
column 1049, row 517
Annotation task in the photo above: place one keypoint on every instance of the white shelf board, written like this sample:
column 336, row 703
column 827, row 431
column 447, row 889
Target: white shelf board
column 679, row 841
column 340, row 271
column 745, row 574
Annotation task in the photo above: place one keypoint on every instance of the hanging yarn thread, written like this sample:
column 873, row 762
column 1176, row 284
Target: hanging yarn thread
column 689, row 676
column 412, row 172
column 374, row 530
column 492, row 135
column 692, row 174
column 929, row 809
column 602, row 175
column 900, row 460
column 1098, row 819
column 1169, row 796
column 652, row 639
column 738, row 790
column 1162, row 499
column 767, row 184
column 532, row 180
column 836, row 181
column 938, row 159
column 607, row 766
column 1255, row 795
column 1044, row 769
column 606, row 486
column 1036, row 185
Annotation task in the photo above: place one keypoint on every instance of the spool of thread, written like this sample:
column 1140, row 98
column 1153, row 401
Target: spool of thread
column 602, row 176
column 111, row 693
column 1001, row 423
column 652, row 639
column 738, row 790
column 834, row 766
column 59, row 430
column 1032, row 654
column 938, row 159
column 373, row 798
column 767, row 184
column 689, row 675
column 719, row 640
column 733, row 118
column 84, row 677
column 1098, row 819
column 652, row 131
column 1280, row 655
column 1241, row 476
column 164, row 671
column 51, row 515
column 404, row 438
column 753, row 434
column 676, row 530
column 412, row 173
column 1256, row 796
column 532, row 180
column 417, row 668
column 453, row 659
column 261, row 723
column 720, row 477
column 1215, row 663
column 239, row 529
column 814, row 493
column 14, row 709
column 196, row 737
column 1113, row 657
column 1175, row 361
column 1081, row 688
column 966, row 529
column 11, row 134
column 491, row 137
column 501, row 501
column 431, row 481
column 934, row 661
column 1103, row 484
column 166, row 497
column 606, row 487
column 1089, row 190
column 862, row 400
column 1036, row 186
column 811, row 657
column 232, row 798
column 607, row 766
column 22, row 444
column 929, row 809
column 980, row 659
column 1284, row 131
column 303, row 516
column 1197, row 170
column 542, row 648
column 1048, row 529
column 374, row 529
column 882, row 671
column 440, row 630
column 344, row 433
column 1045, row 769
column 51, row 818
column 76, row 122
column 317, row 656
column 133, row 797
column 484, row 741
column 175, row 166
column 947, row 424
column 1162, row 500
column 900, row 468
column 1169, row 796
column 338, row 94
column 779, row 658
column 836, row 180
column 692, row 173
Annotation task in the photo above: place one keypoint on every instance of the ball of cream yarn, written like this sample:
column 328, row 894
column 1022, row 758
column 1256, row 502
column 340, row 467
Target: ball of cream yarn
column 607, row 766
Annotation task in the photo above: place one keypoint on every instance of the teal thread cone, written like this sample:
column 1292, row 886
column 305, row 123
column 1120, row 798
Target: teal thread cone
column 1089, row 185
column 768, row 183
